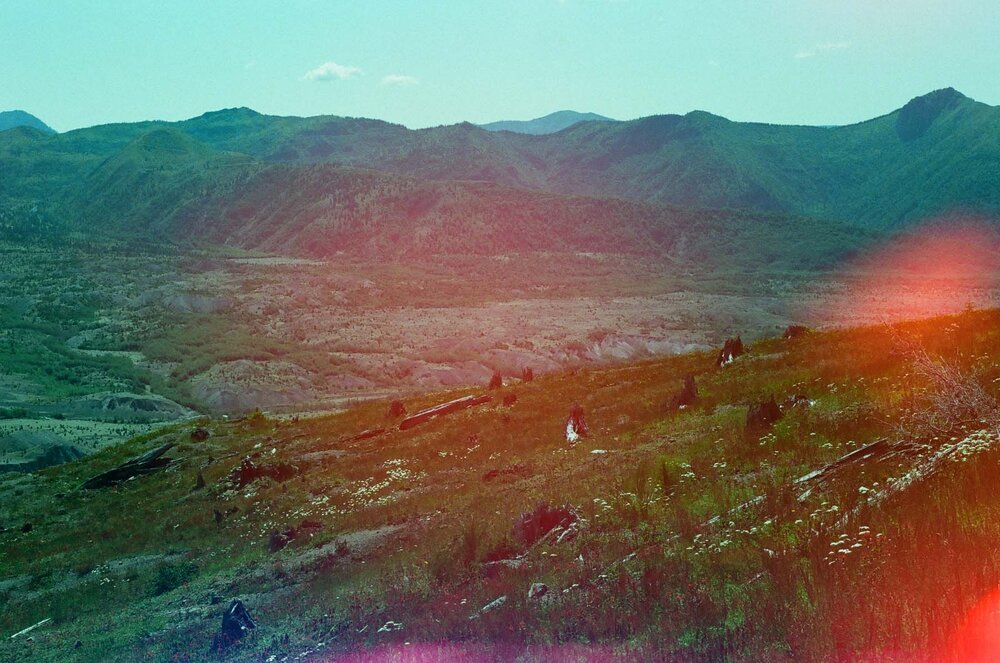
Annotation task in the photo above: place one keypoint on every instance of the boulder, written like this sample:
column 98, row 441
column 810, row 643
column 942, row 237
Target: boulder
column 509, row 399
column 200, row 434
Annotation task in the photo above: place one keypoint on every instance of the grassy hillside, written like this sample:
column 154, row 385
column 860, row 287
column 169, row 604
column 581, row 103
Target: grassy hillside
column 693, row 537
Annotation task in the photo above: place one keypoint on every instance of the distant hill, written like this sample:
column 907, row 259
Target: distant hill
column 549, row 124
column 18, row 118
column 325, row 183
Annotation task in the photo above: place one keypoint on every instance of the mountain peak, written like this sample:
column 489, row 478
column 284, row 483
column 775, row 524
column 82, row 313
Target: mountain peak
column 19, row 118
column 917, row 116
column 547, row 124
column 229, row 114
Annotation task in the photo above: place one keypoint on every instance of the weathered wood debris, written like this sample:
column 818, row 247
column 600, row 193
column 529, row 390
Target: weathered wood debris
column 731, row 349
column 443, row 409
column 147, row 463
column 761, row 416
column 687, row 395
column 877, row 449
column 793, row 331
column 576, row 425
column 236, row 624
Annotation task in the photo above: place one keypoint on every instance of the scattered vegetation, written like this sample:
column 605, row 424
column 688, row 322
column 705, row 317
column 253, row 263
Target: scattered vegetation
column 681, row 537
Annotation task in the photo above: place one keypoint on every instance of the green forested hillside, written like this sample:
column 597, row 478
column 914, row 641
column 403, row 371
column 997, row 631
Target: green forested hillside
column 259, row 180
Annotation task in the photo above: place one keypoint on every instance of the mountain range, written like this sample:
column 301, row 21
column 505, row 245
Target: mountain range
column 660, row 184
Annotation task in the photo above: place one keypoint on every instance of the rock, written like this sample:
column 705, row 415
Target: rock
column 793, row 331
column 537, row 590
column 496, row 381
column 527, row 375
column 236, row 624
column 397, row 409
column 732, row 349
column 145, row 464
column 761, row 416
column 509, row 399
column 576, row 425
column 26, row 527
column 200, row 434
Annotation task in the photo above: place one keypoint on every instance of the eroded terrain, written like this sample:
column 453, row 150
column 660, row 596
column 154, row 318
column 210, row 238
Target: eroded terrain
column 140, row 337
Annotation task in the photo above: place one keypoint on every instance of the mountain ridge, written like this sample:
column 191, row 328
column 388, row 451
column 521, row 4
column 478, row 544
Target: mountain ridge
column 946, row 160
column 19, row 118
column 551, row 123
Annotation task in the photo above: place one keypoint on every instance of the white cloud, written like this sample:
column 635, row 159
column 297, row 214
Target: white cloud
column 819, row 48
column 331, row 71
column 399, row 79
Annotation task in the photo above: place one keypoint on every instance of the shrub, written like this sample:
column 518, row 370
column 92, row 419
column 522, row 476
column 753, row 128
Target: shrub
column 171, row 575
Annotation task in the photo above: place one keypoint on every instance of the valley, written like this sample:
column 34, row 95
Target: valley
column 100, row 337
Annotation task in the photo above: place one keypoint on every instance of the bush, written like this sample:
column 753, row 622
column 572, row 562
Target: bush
column 171, row 575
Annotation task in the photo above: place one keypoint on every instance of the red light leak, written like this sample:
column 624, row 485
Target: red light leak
column 977, row 639
column 934, row 270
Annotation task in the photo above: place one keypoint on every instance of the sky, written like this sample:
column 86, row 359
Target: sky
column 76, row 63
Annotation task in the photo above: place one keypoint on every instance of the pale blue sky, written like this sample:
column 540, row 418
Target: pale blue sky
column 76, row 63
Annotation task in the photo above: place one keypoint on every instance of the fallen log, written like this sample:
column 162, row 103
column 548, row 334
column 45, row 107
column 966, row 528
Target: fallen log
column 878, row 448
column 31, row 628
column 363, row 435
column 147, row 463
column 442, row 410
